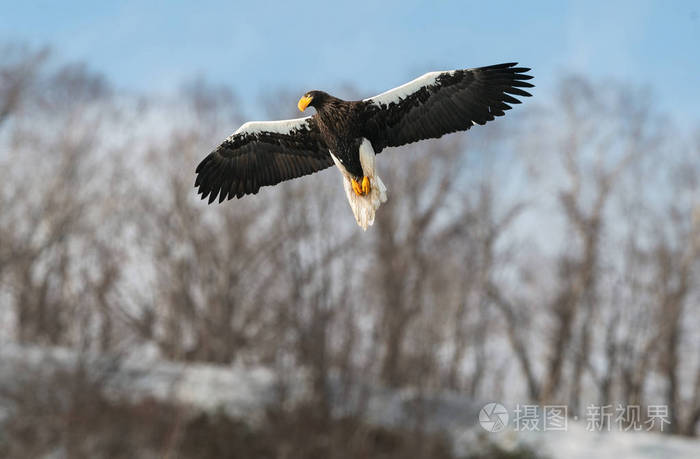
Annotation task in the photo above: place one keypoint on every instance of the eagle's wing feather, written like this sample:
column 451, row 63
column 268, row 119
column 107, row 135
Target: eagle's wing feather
column 438, row 103
column 262, row 153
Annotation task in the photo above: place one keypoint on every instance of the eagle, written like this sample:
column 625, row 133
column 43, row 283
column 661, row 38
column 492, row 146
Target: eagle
column 348, row 134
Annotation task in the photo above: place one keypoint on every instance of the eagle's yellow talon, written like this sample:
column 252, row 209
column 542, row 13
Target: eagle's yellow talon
column 356, row 187
column 365, row 185
column 361, row 190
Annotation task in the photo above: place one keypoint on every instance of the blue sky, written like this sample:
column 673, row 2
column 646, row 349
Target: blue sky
column 255, row 46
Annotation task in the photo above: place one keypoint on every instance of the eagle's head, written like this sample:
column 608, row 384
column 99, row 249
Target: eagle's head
column 314, row 99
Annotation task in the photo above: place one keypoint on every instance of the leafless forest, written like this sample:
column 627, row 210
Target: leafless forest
column 551, row 256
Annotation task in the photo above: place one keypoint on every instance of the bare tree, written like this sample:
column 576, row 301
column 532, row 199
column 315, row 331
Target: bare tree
column 51, row 201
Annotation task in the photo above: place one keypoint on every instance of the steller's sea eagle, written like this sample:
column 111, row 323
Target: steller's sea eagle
column 350, row 133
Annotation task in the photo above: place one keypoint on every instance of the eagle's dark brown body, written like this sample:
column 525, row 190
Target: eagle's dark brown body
column 340, row 126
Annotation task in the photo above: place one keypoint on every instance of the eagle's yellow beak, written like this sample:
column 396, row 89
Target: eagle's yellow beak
column 304, row 102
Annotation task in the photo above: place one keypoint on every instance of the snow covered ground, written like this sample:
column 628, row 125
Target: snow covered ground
column 577, row 442
column 243, row 392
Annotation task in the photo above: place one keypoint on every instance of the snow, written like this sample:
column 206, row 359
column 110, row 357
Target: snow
column 577, row 442
column 243, row 391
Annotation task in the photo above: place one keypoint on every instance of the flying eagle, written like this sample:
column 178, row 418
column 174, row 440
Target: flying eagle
column 350, row 133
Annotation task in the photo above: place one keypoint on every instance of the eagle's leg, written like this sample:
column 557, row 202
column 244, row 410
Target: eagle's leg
column 356, row 187
column 365, row 185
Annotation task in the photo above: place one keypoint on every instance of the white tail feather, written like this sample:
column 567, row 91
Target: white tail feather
column 364, row 207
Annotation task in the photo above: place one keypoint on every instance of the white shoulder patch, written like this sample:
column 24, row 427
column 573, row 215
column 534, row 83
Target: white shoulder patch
column 278, row 127
column 401, row 92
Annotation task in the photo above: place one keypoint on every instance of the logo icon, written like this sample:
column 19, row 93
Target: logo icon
column 493, row 417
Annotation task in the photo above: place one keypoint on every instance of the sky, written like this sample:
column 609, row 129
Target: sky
column 257, row 47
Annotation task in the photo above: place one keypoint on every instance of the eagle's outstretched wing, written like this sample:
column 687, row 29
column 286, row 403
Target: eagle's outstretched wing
column 438, row 103
column 262, row 153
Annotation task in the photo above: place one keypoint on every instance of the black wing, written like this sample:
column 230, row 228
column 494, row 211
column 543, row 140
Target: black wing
column 438, row 103
column 262, row 153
